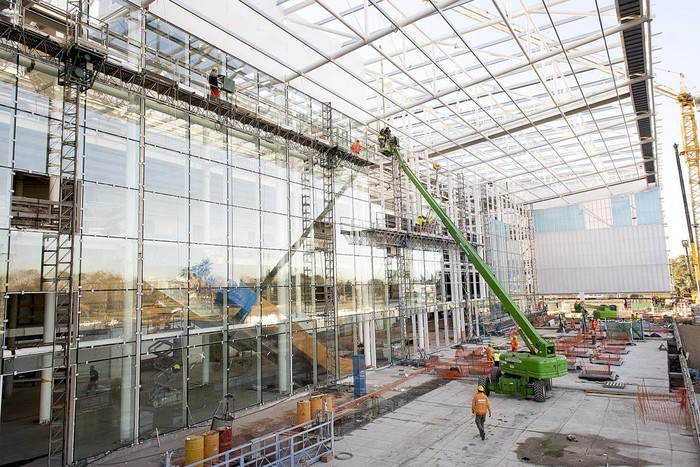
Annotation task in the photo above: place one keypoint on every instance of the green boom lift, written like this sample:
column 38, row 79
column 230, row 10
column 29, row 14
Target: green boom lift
column 528, row 373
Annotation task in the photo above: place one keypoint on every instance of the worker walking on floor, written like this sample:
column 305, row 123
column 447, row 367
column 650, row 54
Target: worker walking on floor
column 594, row 328
column 480, row 407
column 514, row 344
column 496, row 358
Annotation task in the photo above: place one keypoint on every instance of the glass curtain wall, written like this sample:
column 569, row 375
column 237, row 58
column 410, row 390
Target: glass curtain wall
column 187, row 255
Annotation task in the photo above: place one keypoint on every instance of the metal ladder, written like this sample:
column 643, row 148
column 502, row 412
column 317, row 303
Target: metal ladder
column 57, row 275
column 57, row 258
column 307, row 222
column 402, row 253
column 329, row 162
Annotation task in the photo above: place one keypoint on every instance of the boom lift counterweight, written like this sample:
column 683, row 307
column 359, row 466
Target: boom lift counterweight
column 525, row 373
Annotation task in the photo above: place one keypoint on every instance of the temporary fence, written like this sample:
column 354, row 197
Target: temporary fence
column 458, row 368
column 619, row 331
column 599, row 357
column 470, row 353
column 597, row 372
column 572, row 363
column 671, row 409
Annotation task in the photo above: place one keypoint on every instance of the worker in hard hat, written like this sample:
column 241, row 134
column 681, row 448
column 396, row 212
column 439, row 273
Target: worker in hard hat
column 489, row 352
column 514, row 344
column 214, row 78
column 480, row 407
column 496, row 357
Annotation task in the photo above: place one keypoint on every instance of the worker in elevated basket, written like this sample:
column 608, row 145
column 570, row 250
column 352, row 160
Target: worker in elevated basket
column 214, row 78
column 480, row 406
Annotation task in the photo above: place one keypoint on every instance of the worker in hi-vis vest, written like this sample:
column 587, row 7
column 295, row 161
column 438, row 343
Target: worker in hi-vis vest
column 481, row 406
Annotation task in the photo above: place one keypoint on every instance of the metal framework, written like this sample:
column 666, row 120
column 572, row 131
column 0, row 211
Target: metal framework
column 549, row 97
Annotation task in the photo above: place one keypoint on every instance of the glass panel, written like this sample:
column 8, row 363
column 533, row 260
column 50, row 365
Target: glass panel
column 5, row 194
column 31, row 142
column 243, row 367
column 166, row 171
column 6, row 143
column 108, row 263
column 208, row 222
column 246, row 227
column 303, row 354
column 164, row 264
column 28, row 98
column 399, row 349
column 165, row 217
column 273, row 163
column 207, row 181
column 25, row 261
column 207, row 143
column 207, row 277
column 113, row 116
column 111, row 160
column 275, row 267
column 104, row 417
column 274, row 366
column 164, row 311
column 246, row 266
column 382, row 342
column 243, row 153
column 163, row 376
column 273, row 195
column 109, row 211
column 107, row 314
column 245, row 189
column 275, row 305
column 205, row 387
column 166, row 131
column 7, row 87
column 275, row 231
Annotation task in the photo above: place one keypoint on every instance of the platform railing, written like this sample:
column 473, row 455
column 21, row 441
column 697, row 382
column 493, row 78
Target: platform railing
column 301, row 444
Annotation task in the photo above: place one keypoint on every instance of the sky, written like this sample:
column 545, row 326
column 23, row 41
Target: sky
column 675, row 43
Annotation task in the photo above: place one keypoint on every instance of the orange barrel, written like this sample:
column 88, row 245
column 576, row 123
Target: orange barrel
column 225, row 438
column 211, row 444
column 316, row 404
column 327, row 401
column 303, row 412
column 194, row 449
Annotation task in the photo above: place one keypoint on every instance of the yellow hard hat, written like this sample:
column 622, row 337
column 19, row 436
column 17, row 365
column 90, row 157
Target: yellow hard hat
column 480, row 389
column 490, row 344
column 214, row 69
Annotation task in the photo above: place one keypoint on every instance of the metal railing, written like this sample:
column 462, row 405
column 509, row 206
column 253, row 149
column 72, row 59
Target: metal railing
column 693, row 408
column 301, row 444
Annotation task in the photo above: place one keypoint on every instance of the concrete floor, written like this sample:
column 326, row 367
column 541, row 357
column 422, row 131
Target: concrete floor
column 437, row 428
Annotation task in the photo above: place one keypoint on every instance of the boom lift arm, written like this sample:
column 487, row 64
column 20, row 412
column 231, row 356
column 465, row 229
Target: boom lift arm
column 536, row 343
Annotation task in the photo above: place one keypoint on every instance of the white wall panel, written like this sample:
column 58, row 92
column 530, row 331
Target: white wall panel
column 615, row 260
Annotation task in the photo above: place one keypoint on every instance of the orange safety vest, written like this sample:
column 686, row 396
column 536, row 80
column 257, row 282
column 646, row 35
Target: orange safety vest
column 514, row 345
column 356, row 147
column 481, row 404
column 489, row 354
column 594, row 324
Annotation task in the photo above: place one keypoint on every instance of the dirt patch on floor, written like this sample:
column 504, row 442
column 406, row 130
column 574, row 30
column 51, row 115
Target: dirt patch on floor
column 586, row 451
column 376, row 407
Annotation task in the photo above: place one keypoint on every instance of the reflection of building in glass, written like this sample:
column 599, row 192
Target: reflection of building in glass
column 207, row 252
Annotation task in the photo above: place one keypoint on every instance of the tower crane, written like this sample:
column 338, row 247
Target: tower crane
column 691, row 151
